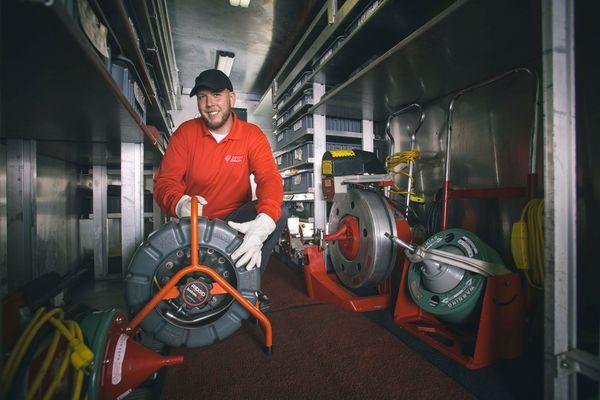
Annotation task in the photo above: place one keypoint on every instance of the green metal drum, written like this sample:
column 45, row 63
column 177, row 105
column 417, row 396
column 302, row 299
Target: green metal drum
column 450, row 293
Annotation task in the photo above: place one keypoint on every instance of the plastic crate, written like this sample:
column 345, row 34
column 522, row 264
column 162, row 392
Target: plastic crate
column 120, row 74
column 302, row 209
column 279, row 160
column 285, row 97
column 361, row 19
column 301, row 81
column 307, row 98
column 323, row 57
column 304, row 125
column 301, row 182
column 139, row 101
column 302, row 153
column 282, row 117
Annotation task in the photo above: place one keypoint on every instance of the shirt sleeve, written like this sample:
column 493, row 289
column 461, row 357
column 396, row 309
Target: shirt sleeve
column 269, row 186
column 169, row 181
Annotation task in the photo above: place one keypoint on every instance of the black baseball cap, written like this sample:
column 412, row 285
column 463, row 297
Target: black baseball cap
column 212, row 79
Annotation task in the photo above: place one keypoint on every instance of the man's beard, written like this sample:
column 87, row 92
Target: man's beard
column 211, row 124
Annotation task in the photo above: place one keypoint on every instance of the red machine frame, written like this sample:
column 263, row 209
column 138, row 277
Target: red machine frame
column 327, row 287
column 498, row 334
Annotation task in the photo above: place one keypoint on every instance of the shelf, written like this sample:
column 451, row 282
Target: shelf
column 294, row 116
column 294, row 192
column 128, row 40
column 302, row 136
column 309, row 162
column 118, row 215
column 465, row 43
column 57, row 89
column 388, row 22
column 154, row 27
column 295, row 64
column 299, row 197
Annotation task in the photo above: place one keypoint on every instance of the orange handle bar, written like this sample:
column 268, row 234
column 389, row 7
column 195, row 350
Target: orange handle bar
column 166, row 291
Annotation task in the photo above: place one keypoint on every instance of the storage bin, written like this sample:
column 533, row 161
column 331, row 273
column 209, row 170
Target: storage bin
column 282, row 117
column 139, row 102
column 364, row 16
column 300, row 182
column 285, row 97
column 323, row 57
column 120, row 74
column 301, row 81
column 302, row 153
column 304, row 125
column 302, row 209
column 307, row 98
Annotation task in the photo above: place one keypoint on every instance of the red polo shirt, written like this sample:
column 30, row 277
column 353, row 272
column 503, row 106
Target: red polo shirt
column 195, row 164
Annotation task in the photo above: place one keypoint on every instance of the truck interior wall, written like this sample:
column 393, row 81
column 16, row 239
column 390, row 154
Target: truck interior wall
column 490, row 149
column 57, row 215
column 56, row 218
column 587, row 80
column 3, row 233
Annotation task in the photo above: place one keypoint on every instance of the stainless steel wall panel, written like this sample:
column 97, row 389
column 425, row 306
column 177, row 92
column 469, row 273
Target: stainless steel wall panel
column 57, row 228
column 491, row 131
column 490, row 148
column 132, row 200
column 20, row 211
column 3, row 231
column 100, row 231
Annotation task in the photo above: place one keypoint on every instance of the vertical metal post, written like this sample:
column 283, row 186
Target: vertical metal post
column 558, row 56
column 21, row 211
column 100, row 223
column 132, row 199
column 157, row 218
column 367, row 135
column 332, row 7
column 319, row 145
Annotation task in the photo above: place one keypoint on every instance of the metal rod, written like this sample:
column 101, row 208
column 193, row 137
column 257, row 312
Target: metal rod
column 445, row 188
column 400, row 242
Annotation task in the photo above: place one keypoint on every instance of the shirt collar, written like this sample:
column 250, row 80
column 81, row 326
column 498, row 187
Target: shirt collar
column 234, row 134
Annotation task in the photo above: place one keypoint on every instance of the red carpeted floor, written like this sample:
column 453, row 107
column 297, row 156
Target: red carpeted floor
column 320, row 351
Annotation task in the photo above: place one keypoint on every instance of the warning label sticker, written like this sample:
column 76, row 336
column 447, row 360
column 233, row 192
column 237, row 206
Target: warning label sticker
column 117, row 367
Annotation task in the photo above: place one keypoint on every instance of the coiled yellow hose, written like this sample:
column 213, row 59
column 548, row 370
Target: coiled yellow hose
column 78, row 353
column 527, row 242
column 398, row 164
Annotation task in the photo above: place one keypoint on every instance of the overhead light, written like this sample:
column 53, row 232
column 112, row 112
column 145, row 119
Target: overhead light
column 225, row 61
column 241, row 3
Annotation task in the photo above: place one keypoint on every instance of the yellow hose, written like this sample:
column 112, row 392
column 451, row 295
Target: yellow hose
column 11, row 359
column 398, row 164
column 44, row 368
column 527, row 243
column 78, row 353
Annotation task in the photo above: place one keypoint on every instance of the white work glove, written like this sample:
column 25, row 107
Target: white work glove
column 255, row 233
column 184, row 206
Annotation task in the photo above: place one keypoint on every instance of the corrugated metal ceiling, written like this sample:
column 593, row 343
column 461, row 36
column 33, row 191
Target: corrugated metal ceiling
column 261, row 36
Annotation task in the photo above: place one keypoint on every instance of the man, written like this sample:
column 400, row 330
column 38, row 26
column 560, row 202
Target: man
column 212, row 157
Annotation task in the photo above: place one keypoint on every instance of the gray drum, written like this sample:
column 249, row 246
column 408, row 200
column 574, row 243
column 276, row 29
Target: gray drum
column 196, row 317
column 376, row 255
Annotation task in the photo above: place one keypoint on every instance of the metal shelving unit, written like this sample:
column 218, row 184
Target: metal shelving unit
column 76, row 102
column 129, row 41
column 79, row 107
column 438, row 54
column 372, row 33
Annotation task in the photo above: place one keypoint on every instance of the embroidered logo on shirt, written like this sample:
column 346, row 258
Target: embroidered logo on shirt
column 233, row 158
